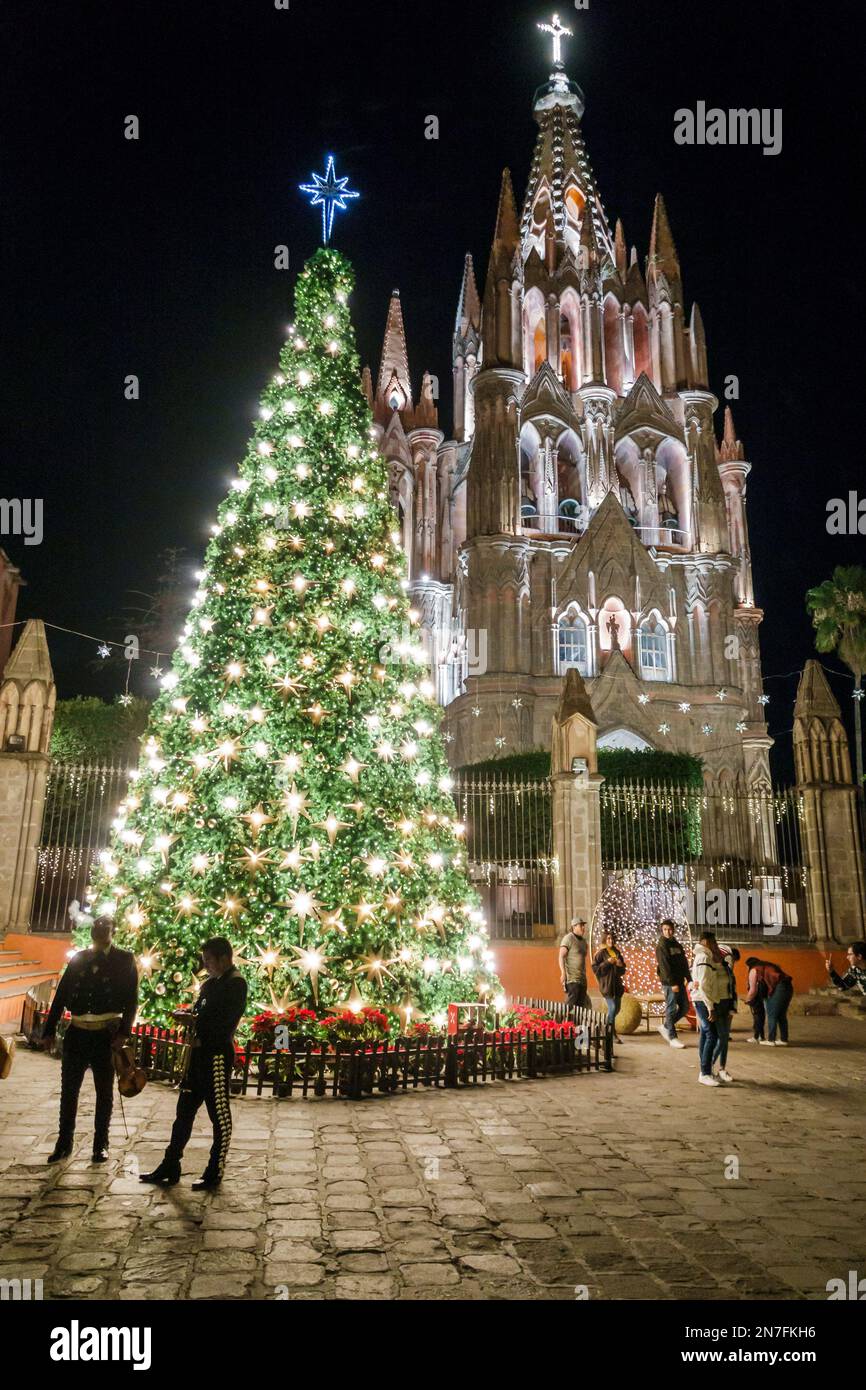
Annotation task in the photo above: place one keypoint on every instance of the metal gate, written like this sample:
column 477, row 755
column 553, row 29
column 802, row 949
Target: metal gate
column 81, row 801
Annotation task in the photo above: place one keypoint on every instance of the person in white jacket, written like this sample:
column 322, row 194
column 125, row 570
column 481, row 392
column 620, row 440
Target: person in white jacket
column 713, row 1000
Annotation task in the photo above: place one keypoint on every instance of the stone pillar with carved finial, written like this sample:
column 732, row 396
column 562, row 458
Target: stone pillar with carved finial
column 576, row 809
column 832, row 846
column 27, row 700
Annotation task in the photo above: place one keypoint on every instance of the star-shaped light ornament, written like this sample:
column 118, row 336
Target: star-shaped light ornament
column 722, row 694
column 763, row 699
column 643, row 699
column 253, row 861
column 288, row 686
column 740, row 726
column 257, row 819
column 374, row 967
column 302, row 905
column 857, row 694
column 103, row 650
column 332, row 825
column 311, row 962
column 330, row 193
column 706, row 730
column 295, row 805
column 664, row 728
column 269, row 959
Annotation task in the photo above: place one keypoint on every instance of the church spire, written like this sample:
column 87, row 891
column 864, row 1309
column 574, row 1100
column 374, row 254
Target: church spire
column 469, row 304
column 507, row 231
column 732, row 447
column 663, row 261
column 394, row 390
column 561, row 180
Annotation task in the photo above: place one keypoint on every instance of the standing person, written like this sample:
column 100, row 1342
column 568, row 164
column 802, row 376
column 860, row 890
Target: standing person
column 730, row 955
column 674, row 973
column 215, row 1015
column 711, row 994
column 609, row 967
column 99, row 987
column 855, row 975
column 780, row 992
column 573, row 950
column 758, row 1005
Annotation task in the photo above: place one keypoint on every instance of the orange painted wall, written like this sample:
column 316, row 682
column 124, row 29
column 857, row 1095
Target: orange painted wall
column 50, row 951
column 532, row 967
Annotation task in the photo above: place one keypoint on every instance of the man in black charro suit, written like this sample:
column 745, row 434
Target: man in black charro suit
column 215, row 1015
column 99, row 987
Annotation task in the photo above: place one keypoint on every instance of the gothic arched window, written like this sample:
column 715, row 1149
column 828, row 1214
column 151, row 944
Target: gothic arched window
column 572, row 648
column 653, row 651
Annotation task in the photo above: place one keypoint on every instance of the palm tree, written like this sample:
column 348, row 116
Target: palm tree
column 838, row 609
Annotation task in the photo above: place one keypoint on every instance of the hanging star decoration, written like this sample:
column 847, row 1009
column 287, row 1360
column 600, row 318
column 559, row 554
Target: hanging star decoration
column 157, row 672
column 857, row 694
column 685, row 706
column 763, row 699
column 103, row 650
column 664, row 728
column 330, row 193
column 740, row 726
column 706, row 729
column 722, row 694
column 643, row 699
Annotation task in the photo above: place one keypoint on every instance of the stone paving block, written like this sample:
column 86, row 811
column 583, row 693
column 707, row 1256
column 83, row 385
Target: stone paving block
column 432, row 1276
column 366, row 1286
column 220, row 1286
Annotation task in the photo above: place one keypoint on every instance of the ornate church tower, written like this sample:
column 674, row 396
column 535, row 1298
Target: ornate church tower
column 584, row 515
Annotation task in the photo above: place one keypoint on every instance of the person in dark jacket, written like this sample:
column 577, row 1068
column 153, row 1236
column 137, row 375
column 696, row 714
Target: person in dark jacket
column 609, row 968
column 215, row 1015
column 99, row 987
column 758, row 1006
column 673, row 971
column 855, row 975
column 780, row 992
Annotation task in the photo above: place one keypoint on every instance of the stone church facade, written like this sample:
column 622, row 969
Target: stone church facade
column 584, row 513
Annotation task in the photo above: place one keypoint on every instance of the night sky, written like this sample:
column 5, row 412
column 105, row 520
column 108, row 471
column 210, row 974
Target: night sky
column 155, row 257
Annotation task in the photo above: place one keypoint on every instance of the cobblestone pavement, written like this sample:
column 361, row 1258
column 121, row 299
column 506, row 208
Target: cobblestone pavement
column 611, row 1187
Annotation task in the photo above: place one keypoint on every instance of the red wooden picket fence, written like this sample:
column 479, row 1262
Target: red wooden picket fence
column 580, row 1041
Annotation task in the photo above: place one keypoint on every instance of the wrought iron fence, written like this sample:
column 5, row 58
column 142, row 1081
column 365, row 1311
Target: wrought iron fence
column 732, row 858
column 509, row 835
column 81, row 802
column 727, row 855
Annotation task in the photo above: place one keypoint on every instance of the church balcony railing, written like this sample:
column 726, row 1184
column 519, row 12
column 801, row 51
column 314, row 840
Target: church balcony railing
column 553, row 526
column 664, row 535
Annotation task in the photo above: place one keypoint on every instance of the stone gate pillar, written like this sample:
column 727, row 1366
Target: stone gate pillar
column 27, row 698
column 832, row 845
column 575, row 783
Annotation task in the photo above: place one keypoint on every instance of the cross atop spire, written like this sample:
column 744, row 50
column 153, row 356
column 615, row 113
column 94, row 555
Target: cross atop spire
column 557, row 30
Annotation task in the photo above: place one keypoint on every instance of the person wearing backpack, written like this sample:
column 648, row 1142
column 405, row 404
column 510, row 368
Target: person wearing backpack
column 712, row 996
column 780, row 992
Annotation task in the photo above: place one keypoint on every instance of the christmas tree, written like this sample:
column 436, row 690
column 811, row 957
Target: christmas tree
column 293, row 793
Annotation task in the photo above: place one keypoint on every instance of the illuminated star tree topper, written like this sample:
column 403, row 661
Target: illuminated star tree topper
column 330, row 193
